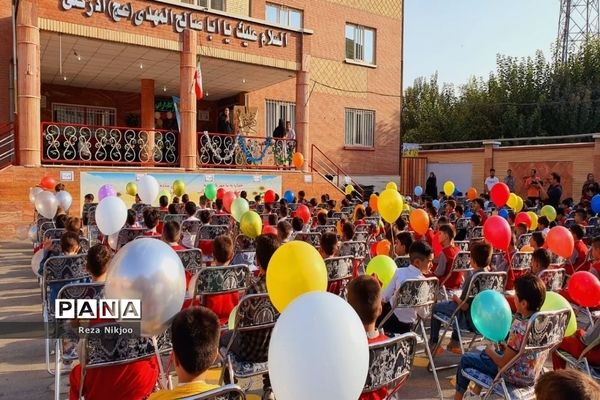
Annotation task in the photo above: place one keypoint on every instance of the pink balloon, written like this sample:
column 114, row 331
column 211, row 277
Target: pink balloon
column 496, row 230
column 106, row 191
column 500, row 194
column 228, row 198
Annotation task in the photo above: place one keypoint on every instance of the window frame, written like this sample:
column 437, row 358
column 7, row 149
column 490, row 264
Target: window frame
column 359, row 35
column 277, row 106
column 283, row 9
column 87, row 112
column 359, row 117
column 208, row 5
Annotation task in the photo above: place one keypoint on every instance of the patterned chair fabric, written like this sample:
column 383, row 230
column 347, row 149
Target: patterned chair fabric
column 347, row 210
column 582, row 363
column 313, row 238
column 553, row 278
column 139, row 207
column 462, row 261
column 43, row 227
column 339, row 268
column 260, row 208
column 361, row 228
column 415, row 293
column 569, row 222
column 227, row 392
column 463, row 245
column 220, row 219
column 361, row 236
column 293, row 206
column 191, row 259
column 545, row 331
column 486, row 281
column 476, row 232
column 92, row 215
column 61, row 269
column 358, row 250
column 220, row 280
column 372, row 220
column 190, row 228
column 390, row 361
column 339, row 215
column 402, row 262
column 556, row 259
column 54, row 233
column 210, row 232
column 127, row 235
column 333, row 221
column 84, row 246
column 175, row 217
column 85, row 212
column 462, row 223
column 324, row 228
column 521, row 261
column 523, row 240
column 244, row 243
column 498, row 262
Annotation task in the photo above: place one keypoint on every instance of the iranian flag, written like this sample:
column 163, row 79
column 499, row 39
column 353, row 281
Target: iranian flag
column 198, row 82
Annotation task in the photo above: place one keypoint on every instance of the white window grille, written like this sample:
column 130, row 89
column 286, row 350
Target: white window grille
column 276, row 110
column 85, row 115
column 360, row 127
column 360, row 44
column 282, row 15
column 210, row 4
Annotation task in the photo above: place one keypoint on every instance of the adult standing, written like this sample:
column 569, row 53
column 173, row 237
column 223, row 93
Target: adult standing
column 533, row 185
column 509, row 179
column 490, row 181
column 279, row 132
column 431, row 188
column 554, row 191
column 290, row 144
column 225, row 142
column 590, row 188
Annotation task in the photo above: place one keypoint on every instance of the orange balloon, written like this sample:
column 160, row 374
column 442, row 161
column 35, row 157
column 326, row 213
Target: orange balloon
column 560, row 241
column 419, row 221
column 383, row 247
column 373, row 202
column 298, row 160
column 472, row 194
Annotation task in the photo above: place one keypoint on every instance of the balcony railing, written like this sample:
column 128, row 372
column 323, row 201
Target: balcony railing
column 107, row 145
column 240, row 151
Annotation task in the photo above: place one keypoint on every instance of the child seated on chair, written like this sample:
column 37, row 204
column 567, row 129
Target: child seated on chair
column 421, row 259
column 575, row 344
column 543, row 225
column 171, row 235
column 364, row 295
column 131, row 221
column 347, row 232
column 478, row 206
column 222, row 304
column 531, row 293
column 580, row 217
column 329, row 245
column 443, row 270
column 481, row 256
column 595, row 262
column 403, row 242
column 537, row 241
column 284, row 231
column 569, row 384
column 219, row 206
column 163, row 202
column 579, row 256
column 297, row 226
column 69, row 246
column 540, row 261
column 195, row 336
column 151, row 220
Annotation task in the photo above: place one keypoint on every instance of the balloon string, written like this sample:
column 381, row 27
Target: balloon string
column 162, row 378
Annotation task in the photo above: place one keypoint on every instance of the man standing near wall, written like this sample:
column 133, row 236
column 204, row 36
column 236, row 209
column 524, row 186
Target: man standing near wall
column 533, row 184
column 510, row 180
column 490, row 181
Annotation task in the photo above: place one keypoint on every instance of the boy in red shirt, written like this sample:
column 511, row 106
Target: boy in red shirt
column 579, row 256
column 151, row 220
column 478, row 206
column 446, row 259
column 222, row 304
column 595, row 263
column 580, row 217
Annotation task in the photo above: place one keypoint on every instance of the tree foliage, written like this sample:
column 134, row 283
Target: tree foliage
column 522, row 98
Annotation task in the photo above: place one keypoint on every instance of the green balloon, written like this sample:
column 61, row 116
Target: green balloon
column 251, row 224
column 178, row 187
column 555, row 302
column 131, row 188
column 231, row 320
column 210, row 191
column 549, row 212
column 239, row 207
column 384, row 267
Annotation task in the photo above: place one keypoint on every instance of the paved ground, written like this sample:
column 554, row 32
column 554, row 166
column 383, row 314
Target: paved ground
column 22, row 369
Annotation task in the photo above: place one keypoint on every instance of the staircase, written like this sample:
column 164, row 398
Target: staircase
column 331, row 172
column 7, row 144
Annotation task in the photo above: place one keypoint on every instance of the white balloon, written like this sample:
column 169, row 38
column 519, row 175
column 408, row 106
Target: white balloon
column 36, row 260
column 314, row 356
column 148, row 189
column 113, row 240
column 111, row 215
column 149, row 270
column 34, row 192
column 33, row 233
column 64, row 199
column 46, row 204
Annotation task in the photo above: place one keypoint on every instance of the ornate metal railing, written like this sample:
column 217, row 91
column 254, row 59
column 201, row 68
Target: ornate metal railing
column 7, row 144
column 240, row 151
column 107, row 145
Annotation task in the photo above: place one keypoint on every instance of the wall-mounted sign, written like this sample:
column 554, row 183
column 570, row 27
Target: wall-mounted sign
column 179, row 21
column 410, row 149
column 67, row 176
column 164, row 105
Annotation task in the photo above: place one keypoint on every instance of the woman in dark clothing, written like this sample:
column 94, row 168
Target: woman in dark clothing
column 279, row 132
column 225, row 143
column 225, row 125
column 554, row 191
column 590, row 188
column 431, row 189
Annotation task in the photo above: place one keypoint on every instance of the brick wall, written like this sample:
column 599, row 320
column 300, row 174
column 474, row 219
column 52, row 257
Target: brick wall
column 6, row 55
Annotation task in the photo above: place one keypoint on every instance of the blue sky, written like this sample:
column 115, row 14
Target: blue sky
column 460, row 38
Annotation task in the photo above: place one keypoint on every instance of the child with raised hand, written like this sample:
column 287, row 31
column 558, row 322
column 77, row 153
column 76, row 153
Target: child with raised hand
column 195, row 336
column 531, row 293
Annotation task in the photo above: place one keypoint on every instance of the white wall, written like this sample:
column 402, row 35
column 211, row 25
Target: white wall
column 459, row 173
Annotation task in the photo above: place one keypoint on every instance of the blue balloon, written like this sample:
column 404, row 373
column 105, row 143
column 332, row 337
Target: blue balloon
column 418, row 190
column 503, row 213
column 596, row 203
column 456, row 192
column 436, row 203
column 468, row 214
column 289, row 196
column 491, row 315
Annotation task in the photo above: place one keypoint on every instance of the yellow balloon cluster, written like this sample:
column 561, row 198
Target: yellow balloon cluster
column 515, row 202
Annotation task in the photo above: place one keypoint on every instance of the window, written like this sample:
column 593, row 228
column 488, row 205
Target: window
column 360, row 44
column 277, row 110
column 360, row 125
column 282, row 15
column 210, row 4
column 76, row 114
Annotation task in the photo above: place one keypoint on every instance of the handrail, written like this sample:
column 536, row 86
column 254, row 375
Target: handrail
column 7, row 144
column 333, row 170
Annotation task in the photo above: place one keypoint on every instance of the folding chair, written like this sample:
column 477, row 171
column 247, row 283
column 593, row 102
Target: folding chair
column 127, row 235
column 402, row 261
column 206, row 236
column 191, row 260
column 43, row 227
column 293, row 206
column 463, row 245
column 54, row 233
column 339, row 215
column 462, row 223
column 312, row 238
column 244, row 243
column 553, row 278
column 569, row 222
column 324, row 228
column 545, row 331
column 227, row 392
column 479, row 282
column 84, row 246
column 339, row 273
column 358, row 250
column 361, row 236
column 254, row 320
column 420, row 294
column 498, row 262
column 372, row 220
column 92, row 228
column 390, row 363
column 58, row 270
column 461, row 264
column 175, row 217
column 476, row 233
column 582, row 363
column 523, row 240
column 556, row 261
column 190, row 229
column 333, row 221
column 521, row 261
column 347, row 210
column 69, row 292
column 221, row 219
column 85, row 212
column 260, row 208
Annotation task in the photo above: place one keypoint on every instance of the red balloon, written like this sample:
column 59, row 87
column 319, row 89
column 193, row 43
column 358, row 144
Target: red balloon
column 496, row 231
column 220, row 193
column 373, row 249
column 584, row 289
column 436, row 245
column 269, row 230
column 522, row 218
column 303, row 212
column 560, row 241
column 270, row 197
column 228, row 198
column 499, row 194
column 48, row 183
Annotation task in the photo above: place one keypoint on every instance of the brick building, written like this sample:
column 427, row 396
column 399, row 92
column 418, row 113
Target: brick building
column 92, row 72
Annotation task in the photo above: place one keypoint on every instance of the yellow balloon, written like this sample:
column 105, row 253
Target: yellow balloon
column 534, row 219
column 449, row 188
column 349, row 189
column 512, row 201
column 295, row 268
column 406, row 208
column 391, row 185
column 519, row 205
column 390, row 205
